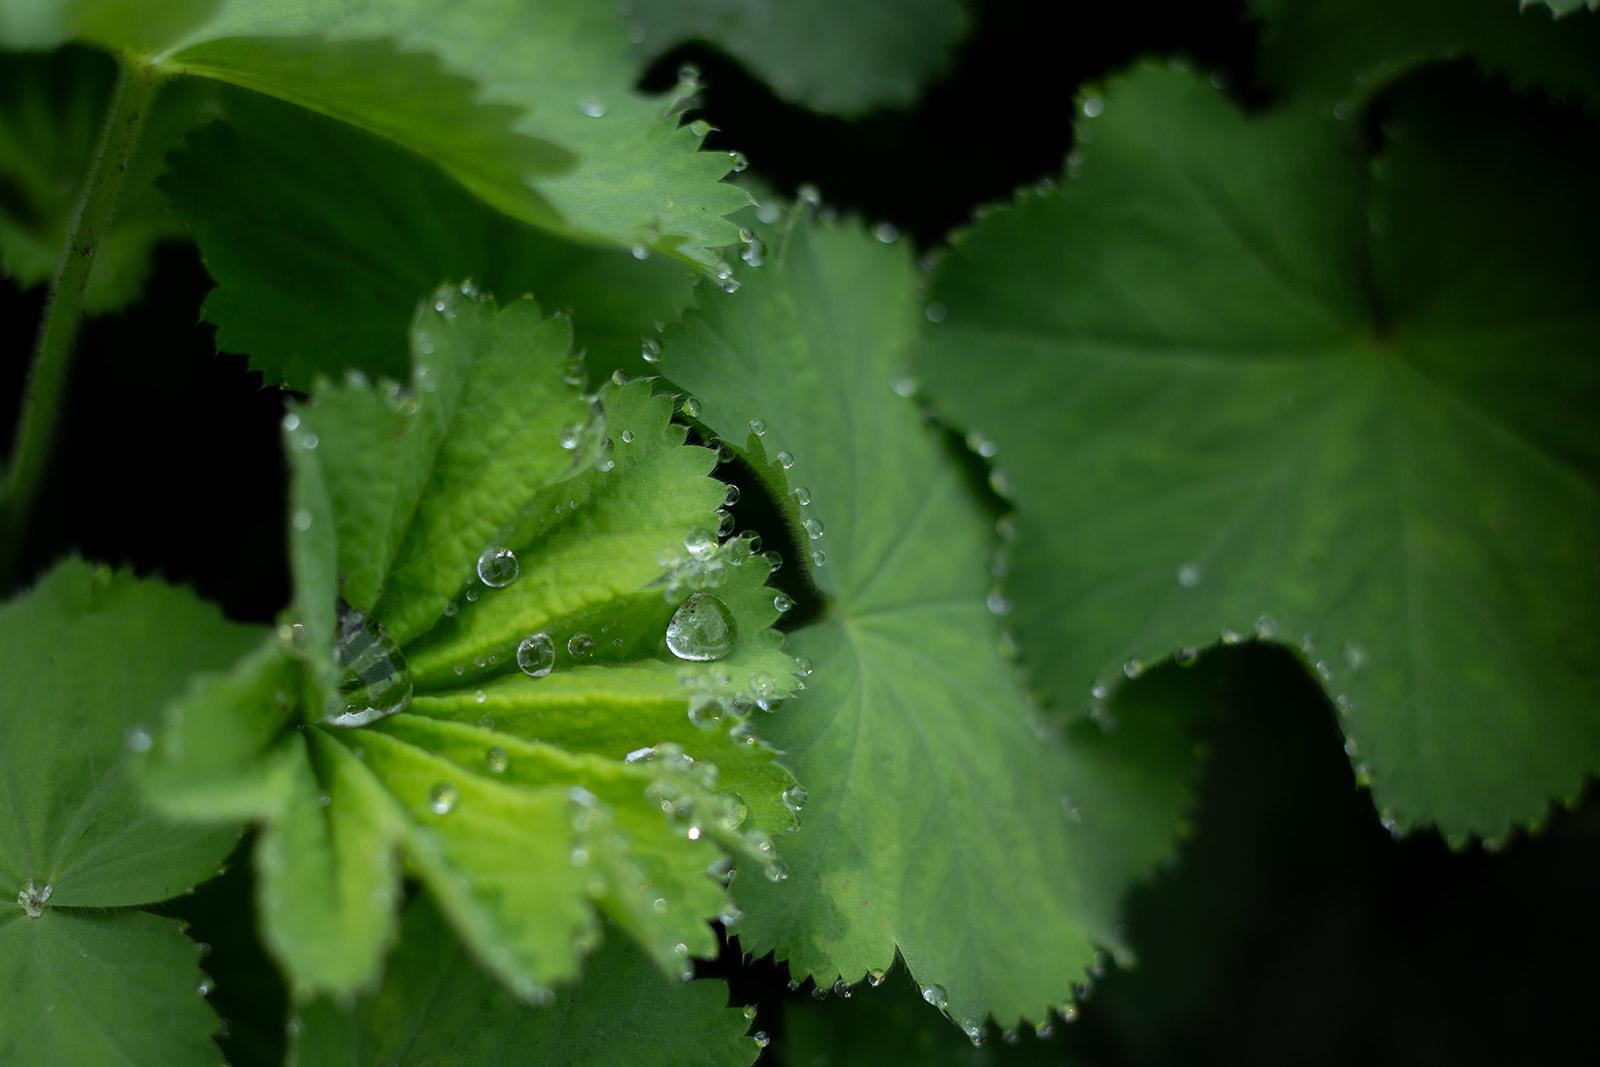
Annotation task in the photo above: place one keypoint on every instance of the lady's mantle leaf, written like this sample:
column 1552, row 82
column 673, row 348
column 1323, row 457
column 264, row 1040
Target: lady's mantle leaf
column 940, row 817
column 497, row 558
column 120, row 988
column 1237, row 385
column 321, row 237
column 831, row 55
column 88, row 658
column 437, row 1009
column 528, row 105
column 1341, row 52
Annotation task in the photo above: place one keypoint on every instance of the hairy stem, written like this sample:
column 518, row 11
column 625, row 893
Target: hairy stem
column 97, row 206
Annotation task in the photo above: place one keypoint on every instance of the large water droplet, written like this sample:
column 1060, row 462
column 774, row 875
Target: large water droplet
column 498, row 567
column 536, row 654
column 701, row 629
column 33, row 896
column 935, row 995
column 374, row 679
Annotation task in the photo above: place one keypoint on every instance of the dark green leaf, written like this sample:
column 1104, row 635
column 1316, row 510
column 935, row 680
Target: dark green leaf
column 119, row 989
column 831, row 55
column 88, row 659
column 938, row 822
column 1236, row 384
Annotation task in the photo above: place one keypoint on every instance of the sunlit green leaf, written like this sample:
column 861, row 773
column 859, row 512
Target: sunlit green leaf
column 497, row 558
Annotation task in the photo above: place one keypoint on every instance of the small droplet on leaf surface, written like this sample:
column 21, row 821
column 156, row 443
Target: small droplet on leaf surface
column 536, row 654
column 498, row 567
column 374, row 680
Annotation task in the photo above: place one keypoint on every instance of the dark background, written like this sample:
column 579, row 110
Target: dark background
column 1292, row 929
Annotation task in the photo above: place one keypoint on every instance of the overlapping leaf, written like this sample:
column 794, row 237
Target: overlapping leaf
column 320, row 239
column 1340, row 52
column 1236, row 384
column 529, row 106
column 436, row 1008
column 50, row 110
column 88, row 657
column 941, row 821
column 830, row 55
column 512, row 551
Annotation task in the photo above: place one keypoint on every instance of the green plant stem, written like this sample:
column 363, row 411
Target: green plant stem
column 98, row 200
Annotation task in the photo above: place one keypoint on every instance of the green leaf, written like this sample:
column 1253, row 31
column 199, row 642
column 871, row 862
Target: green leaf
column 89, row 657
column 528, row 106
column 1341, row 52
column 114, row 988
column 322, row 238
column 50, row 118
column 436, row 1007
column 1564, row 7
column 829, row 55
column 529, row 802
column 937, row 821
column 1236, row 384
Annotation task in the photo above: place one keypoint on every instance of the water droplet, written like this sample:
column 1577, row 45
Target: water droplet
column 374, row 680
column 1093, row 107
column 1355, row 657
column 1185, row 656
column 802, row 496
column 935, row 312
column 1231, row 637
column 1132, row 668
column 442, row 798
column 480, row 697
column 33, row 896
column 818, row 557
column 705, row 711
column 640, row 252
column 690, row 408
column 498, row 567
column 579, row 645
column 592, row 107
column 782, row 602
column 731, row 497
column 1099, row 691
column 1189, row 575
column 761, row 1039
column 876, row 978
column 1266, row 628
column 887, row 232
column 997, row 601
column 497, row 760
column 701, row 629
column 139, row 739
column 627, row 437
column 812, row 527
column 794, row 798
column 650, row 350
column 785, row 459
column 204, row 987
column 758, row 427
column 935, row 995
column 738, row 161
column 776, row 871
column 291, row 422
column 904, row 385
column 700, row 544
column 536, row 654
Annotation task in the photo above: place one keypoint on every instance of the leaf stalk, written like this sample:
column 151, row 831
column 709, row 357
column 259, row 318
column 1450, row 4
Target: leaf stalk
column 100, row 196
